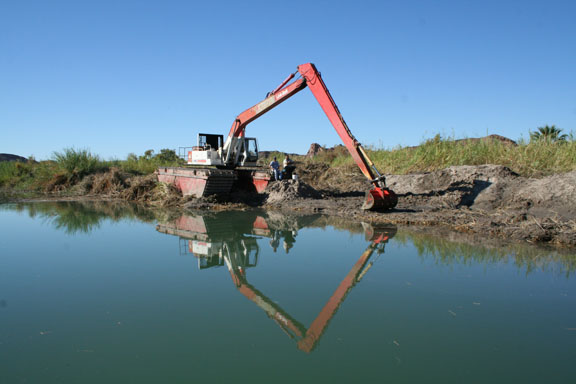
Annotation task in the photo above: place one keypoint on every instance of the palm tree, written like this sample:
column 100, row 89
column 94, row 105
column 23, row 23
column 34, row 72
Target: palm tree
column 548, row 133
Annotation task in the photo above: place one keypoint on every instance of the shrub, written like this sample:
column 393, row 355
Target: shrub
column 8, row 172
column 78, row 163
column 148, row 163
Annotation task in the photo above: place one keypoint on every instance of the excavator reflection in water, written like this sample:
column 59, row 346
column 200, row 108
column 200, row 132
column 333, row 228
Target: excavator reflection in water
column 230, row 239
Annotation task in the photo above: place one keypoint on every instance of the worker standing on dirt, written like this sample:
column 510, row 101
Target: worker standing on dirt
column 287, row 161
column 275, row 169
column 288, row 168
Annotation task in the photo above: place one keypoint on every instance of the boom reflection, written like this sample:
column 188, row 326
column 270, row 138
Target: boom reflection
column 230, row 239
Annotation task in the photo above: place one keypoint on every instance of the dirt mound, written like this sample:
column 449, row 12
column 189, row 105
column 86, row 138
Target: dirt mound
column 552, row 196
column 484, row 200
column 333, row 181
column 488, row 138
column 446, row 179
column 287, row 190
column 489, row 188
column 453, row 187
column 312, row 172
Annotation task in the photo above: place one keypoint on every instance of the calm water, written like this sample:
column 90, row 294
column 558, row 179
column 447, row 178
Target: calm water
column 103, row 293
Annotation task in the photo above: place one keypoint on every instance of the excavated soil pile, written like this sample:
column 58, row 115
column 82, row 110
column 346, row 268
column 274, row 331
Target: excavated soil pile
column 333, row 181
column 454, row 187
column 489, row 188
column 286, row 190
column 484, row 200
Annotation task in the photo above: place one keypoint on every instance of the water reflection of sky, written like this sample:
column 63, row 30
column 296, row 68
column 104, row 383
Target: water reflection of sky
column 122, row 300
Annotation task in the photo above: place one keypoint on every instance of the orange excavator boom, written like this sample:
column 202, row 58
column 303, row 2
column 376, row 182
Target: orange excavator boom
column 379, row 197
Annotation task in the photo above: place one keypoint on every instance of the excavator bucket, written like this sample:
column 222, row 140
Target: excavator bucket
column 379, row 199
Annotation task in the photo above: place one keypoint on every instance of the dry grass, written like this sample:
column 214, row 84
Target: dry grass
column 527, row 159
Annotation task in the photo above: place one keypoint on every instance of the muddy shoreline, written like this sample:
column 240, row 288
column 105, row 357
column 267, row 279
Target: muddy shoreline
column 482, row 202
column 487, row 201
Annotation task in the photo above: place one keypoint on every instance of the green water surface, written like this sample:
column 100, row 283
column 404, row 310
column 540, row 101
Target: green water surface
column 109, row 293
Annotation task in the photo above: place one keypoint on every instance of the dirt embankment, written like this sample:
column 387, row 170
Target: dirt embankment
column 483, row 201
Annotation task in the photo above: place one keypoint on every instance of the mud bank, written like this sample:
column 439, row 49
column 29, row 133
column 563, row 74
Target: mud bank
column 483, row 200
column 480, row 201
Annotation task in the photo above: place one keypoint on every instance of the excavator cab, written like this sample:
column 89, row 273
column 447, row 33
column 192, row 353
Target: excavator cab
column 210, row 141
column 209, row 151
column 248, row 152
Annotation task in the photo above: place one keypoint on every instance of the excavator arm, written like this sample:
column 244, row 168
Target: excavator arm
column 273, row 99
column 320, row 91
column 379, row 197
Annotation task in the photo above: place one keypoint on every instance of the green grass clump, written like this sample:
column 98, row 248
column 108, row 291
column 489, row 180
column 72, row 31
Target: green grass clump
column 79, row 163
column 76, row 163
column 70, row 166
column 138, row 166
column 148, row 163
column 8, row 172
column 29, row 175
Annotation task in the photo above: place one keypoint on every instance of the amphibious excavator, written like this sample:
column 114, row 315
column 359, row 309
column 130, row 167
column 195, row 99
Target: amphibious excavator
column 216, row 166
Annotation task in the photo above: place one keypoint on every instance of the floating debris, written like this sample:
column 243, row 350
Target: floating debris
column 396, row 343
column 452, row 313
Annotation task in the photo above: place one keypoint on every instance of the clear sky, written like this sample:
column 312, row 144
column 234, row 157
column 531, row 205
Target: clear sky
column 119, row 77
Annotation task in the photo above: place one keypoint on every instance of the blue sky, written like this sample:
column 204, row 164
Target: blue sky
column 120, row 77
